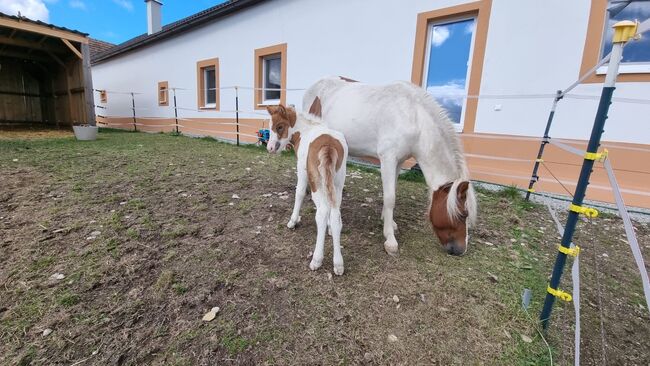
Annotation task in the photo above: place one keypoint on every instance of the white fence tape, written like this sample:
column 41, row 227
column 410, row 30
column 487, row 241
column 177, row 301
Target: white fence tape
column 575, row 278
column 629, row 231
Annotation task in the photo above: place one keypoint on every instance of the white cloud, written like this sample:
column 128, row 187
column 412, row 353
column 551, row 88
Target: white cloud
column 452, row 93
column 439, row 35
column 77, row 4
column 32, row 9
column 469, row 29
column 126, row 4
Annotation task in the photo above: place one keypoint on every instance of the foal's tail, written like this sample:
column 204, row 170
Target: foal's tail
column 327, row 161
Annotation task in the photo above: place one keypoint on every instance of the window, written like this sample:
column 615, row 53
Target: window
column 598, row 43
column 103, row 96
column 270, row 75
column 163, row 93
column 446, row 70
column 208, row 83
column 636, row 53
column 448, row 57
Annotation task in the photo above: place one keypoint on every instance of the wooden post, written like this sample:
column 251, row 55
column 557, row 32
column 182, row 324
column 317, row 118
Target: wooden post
column 69, row 93
column 89, row 96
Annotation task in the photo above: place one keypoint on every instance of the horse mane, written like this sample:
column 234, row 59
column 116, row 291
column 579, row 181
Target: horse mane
column 445, row 128
column 309, row 119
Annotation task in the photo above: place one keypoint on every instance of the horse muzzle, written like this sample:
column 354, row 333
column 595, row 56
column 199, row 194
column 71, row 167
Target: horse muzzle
column 453, row 248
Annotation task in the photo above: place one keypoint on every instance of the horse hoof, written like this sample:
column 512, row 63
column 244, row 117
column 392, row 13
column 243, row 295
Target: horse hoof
column 314, row 265
column 391, row 247
column 291, row 224
column 338, row 270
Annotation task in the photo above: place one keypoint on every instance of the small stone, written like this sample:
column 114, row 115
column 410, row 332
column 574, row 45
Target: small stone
column 492, row 277
column 15, row 160
column 369, row 200
column 47, row 332
column 513, row 240
column 57, row 276
column 392, row 338
column 605, row 255
column 122, row 203
column 284, row 197
column 489, row 244
column 235, row 196
column 422, row 298
column 367, row 356
column 231, row 204
column 395, row 299
column 248, row 169
column 210, row 315
column 507, row 334
column 267, row 195
column 526, row 338
column 96, row 233
column 329, row 276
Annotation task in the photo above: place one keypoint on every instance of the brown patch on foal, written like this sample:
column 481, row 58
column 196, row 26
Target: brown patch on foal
column 316, row 109
column 283, row 118
column 449, row 230
column 328, row 151
column 295, row 141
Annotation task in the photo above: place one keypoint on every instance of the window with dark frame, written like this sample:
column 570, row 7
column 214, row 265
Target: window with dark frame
column 635, row 52
column 272, row 78
column 210, row 85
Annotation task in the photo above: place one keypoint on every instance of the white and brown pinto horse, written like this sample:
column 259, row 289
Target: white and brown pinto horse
column 393, row 123
column 322, row 154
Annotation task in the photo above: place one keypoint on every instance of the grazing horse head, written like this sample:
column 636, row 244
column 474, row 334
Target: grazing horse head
column 283, row 119
column 451, row 213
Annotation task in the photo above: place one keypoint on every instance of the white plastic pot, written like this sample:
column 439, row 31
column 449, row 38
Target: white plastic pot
column 85, row 133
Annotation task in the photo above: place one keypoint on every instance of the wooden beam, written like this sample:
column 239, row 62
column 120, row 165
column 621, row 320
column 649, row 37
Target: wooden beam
column 29, row 44
column 89, row 96
column 72, row 48
column 41, row 29
column 24, row 56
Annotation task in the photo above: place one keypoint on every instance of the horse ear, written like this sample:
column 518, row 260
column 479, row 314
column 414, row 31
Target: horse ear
column 462, row 191
column 291, row 116
column 271, row 109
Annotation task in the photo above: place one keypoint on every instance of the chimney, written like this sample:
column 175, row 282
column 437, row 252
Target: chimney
column 153, row 16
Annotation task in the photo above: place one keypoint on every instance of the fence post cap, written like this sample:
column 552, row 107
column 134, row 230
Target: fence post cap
column 624, row 31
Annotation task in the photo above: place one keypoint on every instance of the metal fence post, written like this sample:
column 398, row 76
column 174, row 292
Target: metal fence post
column 534, row 177
column 623, row 32
column 175, row 110
column 135, row 126
column 237, row 111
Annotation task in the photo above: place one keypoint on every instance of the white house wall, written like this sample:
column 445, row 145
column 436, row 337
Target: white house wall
column 533, row 47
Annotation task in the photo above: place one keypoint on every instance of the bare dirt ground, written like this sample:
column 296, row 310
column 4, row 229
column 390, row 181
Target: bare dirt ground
column 147, row 234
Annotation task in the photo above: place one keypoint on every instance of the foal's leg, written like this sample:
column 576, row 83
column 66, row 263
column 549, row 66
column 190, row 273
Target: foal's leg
column 336, row 225
column 388, row 178
column 301, row 190
column 322, row 213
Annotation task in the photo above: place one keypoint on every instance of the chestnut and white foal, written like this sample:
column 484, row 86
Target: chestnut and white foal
column 322, row 154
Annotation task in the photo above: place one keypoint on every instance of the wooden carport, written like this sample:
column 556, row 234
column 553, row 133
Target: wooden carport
column 45, row 74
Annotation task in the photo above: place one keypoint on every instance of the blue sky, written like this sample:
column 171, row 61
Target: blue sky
column 447, row 69
column 113, row 21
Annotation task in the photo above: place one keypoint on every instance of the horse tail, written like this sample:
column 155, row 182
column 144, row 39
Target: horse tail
column 327, row 158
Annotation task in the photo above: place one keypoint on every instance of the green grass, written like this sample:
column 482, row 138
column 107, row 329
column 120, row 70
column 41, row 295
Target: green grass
column 232, row 268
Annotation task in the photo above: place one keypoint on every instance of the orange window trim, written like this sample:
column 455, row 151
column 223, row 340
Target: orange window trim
column 593, row 44
column 103, row 96
column 163, row 93
column 260, row 53
column 481, row 10
column 200, row 82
